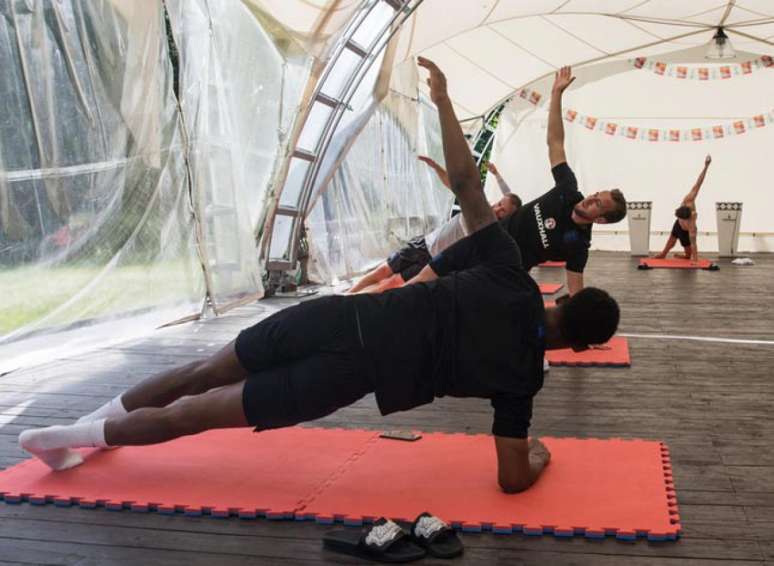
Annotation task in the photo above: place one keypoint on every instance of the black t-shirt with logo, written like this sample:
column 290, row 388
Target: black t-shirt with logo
column 477, row 331
column 544, row 228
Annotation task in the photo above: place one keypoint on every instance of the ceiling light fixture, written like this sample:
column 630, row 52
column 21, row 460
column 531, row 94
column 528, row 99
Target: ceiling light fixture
column 720, row 47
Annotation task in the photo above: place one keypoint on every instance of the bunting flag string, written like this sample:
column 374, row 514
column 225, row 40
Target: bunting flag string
column 719, row 131
column 682, row 72
column 716, row 72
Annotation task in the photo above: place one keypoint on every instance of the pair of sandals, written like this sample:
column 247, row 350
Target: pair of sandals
column 387, row 541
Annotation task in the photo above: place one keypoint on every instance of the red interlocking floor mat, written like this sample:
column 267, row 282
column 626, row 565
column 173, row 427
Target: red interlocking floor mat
column 552, row 264
column 675, row 263
column 621, row 488
column 222, row 472
column 613, row 354
column 549, row 288
column 591, row 487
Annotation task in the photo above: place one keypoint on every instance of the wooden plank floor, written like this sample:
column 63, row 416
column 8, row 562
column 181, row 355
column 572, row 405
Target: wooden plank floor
column 711, row 402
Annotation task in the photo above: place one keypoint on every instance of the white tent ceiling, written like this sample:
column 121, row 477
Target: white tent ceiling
column 491, row 48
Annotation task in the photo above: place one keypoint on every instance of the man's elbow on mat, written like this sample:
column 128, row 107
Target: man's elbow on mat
column 511, row 487
column 513, row 466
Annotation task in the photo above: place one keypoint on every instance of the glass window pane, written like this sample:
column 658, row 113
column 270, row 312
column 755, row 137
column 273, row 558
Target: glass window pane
column 373, row 24
column 280, row 238
column 295, row 180
column 340, row 73
column 313, row 128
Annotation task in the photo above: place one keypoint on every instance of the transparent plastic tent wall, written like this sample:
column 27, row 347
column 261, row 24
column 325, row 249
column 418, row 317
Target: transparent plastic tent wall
column 139, row 145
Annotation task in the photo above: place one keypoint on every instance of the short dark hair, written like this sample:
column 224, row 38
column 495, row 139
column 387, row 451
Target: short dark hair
column 683, row 212
column 619, row 212
column 515, row 200
column 589, row 317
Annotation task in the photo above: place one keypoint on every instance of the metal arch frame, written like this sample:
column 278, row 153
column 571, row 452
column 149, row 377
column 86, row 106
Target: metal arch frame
column 486, row 135
column 403, row 10
column 486, row 128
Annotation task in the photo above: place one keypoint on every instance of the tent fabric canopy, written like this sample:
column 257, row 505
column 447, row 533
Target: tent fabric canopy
column 491, row 48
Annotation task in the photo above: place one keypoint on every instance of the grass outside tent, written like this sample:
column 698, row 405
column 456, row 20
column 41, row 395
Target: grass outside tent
column 29, row 293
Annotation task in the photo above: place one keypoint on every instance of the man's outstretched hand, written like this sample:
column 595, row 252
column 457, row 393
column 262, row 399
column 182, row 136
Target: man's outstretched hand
column 431, row 162
column 492, row 168
column 436, row 81
column 562, row 79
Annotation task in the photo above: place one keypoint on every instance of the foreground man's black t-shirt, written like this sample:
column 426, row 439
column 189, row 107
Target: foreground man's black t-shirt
column 544, row 228
column 476, row 332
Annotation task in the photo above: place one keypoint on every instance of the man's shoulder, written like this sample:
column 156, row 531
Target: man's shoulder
column 565, row 194
column 563, row 173
column 585, row 230
column 561, row 168
column 523, row 294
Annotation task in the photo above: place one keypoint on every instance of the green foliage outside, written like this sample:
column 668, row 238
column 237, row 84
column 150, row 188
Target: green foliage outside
column 30, row 292
column 485, row 142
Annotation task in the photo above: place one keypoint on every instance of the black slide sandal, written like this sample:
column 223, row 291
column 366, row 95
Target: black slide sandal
column 440, row 540
column 384, row 541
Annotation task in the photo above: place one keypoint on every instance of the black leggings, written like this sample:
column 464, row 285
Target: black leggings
column 305, row 362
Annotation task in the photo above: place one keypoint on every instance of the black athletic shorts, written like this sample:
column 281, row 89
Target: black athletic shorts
column 681, row 234
column 410, row 260
column 305, row 362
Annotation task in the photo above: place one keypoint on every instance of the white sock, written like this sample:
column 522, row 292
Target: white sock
column 113, row 408
column 546, row 365
column 52, row 444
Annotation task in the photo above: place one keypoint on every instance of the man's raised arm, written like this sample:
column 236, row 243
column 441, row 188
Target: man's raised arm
column 440, row 171
column 693, row 235
column 464, row 180
column 504, row 188
column 690, row 198
column 562, row 79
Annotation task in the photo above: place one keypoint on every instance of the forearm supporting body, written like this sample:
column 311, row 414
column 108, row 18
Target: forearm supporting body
column 518, row 466
column 669, row 245
column 574, row 282
column 694, row 248
column 511, row 483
